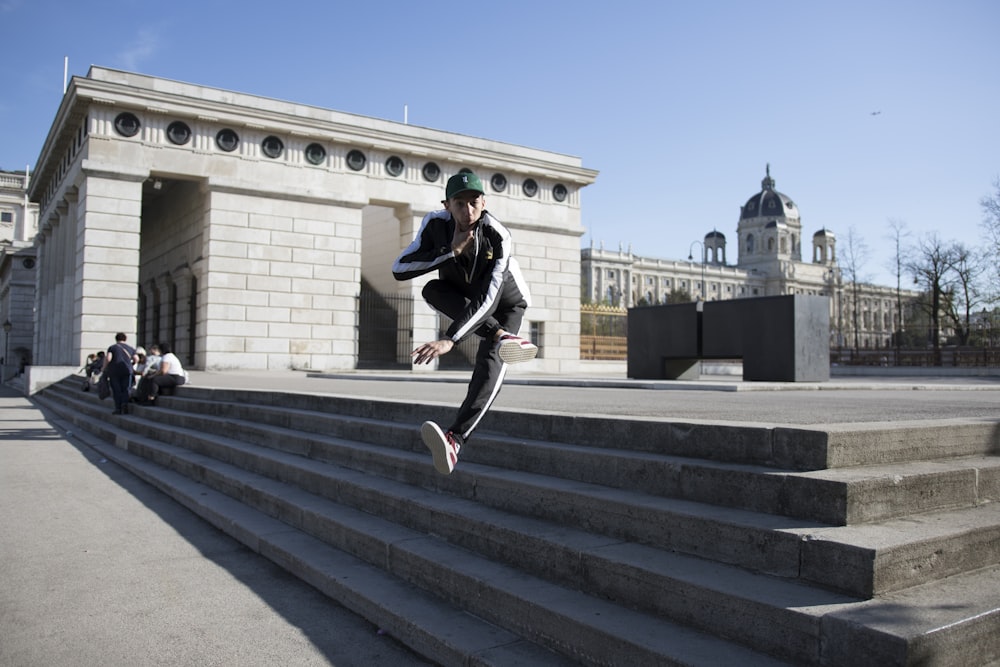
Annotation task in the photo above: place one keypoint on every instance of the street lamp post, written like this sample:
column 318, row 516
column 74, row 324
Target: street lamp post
column 704, row 296
column 833, row 276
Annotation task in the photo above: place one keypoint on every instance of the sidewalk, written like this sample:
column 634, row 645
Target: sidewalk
column 100, row 568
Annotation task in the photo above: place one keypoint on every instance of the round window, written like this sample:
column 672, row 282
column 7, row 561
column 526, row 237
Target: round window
column 178, row 133
column 498, row 182
column 315, row 154
column 394, row 165
column 227, row 140
column 559, row 192
column 127, row 124
column 356, row 160
column 272, row 147
column 529, row 187
column 431, row 172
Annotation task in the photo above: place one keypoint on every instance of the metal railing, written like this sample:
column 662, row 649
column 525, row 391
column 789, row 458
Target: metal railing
column 947, row 357
column 386, row 340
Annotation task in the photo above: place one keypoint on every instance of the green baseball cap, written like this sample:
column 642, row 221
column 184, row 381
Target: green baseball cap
column 461, row 182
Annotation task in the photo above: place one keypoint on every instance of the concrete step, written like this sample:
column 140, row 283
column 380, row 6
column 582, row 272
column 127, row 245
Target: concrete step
column 868, row 563
column 604, row 543
column 442, row 632
column 783, row 618
column 838, row 496
column 955, row 621
column 783, row 447
column 879, row 558
column 413, row 584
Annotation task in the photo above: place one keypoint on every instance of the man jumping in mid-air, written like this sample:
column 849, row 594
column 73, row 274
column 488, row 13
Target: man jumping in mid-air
column 480, row 287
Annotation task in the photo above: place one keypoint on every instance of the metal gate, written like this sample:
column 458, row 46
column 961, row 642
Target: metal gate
column 385, row 333
column 385, row 329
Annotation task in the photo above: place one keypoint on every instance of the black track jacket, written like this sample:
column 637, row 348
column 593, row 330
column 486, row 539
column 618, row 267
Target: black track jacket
column 478, row 274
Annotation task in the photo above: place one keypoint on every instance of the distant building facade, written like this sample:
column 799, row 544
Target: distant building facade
column 769, row 263
column 18, row 224
column 241, row 229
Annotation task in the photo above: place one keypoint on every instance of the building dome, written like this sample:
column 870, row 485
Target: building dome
column 769, row 202
column 715, row 234
column 823, row 233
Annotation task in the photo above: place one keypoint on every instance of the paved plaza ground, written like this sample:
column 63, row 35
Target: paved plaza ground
column 100, row 568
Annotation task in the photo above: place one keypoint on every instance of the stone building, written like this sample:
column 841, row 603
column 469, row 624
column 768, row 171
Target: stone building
column 769, row 263
column 18, row 222
column 240, row 229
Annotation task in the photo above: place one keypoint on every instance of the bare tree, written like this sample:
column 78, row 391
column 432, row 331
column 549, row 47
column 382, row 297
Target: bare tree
column 853, row 257
column 965, row 267
column 991, row 226
column 929, row 267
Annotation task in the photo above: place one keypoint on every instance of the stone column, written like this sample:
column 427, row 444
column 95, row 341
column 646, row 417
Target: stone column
column 54, row 299
column 56, row 267
column 145, row 322
column 164, row 323
column 282, row 282
column 183, row 280
column 107, row 253
column 66, row 240
column 196, row 316
column 43, row 334
column 425, row 324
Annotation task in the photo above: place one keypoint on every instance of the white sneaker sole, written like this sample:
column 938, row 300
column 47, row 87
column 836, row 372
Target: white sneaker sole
column 436, row 441
column 513, row 352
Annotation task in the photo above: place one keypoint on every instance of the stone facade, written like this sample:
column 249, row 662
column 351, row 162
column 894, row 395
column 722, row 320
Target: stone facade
column 239, row 229
column 18, row 222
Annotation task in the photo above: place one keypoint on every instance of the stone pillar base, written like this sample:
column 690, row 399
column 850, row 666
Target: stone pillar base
column 37, row 378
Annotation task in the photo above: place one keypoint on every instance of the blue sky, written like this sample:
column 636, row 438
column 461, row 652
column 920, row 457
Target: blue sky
column 679, row 105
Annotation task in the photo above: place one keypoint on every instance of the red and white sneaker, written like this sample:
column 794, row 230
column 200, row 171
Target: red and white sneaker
column 444, row 446
column 514, row 349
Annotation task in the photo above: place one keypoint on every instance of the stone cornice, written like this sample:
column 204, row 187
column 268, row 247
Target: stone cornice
column 187, row 101
column 148, row 96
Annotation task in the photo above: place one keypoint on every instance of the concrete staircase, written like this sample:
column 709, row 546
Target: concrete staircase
column 594, row 540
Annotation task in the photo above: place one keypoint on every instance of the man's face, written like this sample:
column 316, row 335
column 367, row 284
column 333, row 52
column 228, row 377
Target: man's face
column 466, row 208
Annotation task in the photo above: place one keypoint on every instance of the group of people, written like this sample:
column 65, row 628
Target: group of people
column 133, row 374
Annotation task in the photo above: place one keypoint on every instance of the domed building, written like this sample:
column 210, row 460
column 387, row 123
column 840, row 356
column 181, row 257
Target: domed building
column 769, row 263
column 769, row 227
column 714, row 248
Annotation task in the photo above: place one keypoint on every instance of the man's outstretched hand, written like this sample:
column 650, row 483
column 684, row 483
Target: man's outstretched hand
column 428, row 352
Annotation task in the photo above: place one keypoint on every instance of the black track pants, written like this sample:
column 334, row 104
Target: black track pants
column 489, row 370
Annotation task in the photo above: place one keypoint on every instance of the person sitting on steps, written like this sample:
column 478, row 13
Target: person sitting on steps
column 168, row 374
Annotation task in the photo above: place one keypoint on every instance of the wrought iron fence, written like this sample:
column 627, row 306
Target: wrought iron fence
column 953, row 357
column 386, row 340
